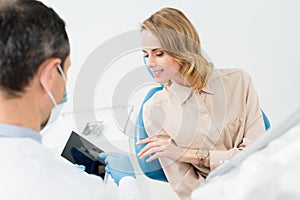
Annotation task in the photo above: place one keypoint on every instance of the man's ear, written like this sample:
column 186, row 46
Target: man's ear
column 47, row 73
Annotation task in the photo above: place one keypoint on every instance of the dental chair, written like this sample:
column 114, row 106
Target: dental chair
column 153, row 169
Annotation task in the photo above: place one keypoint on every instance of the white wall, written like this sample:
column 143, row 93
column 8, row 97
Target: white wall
column 260, row 36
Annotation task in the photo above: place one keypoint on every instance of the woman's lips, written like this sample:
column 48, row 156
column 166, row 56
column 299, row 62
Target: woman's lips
column 157, row 72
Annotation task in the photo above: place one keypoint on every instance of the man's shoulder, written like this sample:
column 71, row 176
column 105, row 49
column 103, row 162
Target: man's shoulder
column 30, row 165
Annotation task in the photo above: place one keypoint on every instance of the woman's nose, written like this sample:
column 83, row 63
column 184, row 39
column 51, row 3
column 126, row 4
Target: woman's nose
column 150, row 62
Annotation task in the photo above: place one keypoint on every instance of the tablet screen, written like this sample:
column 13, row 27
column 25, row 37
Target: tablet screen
column 80, row 151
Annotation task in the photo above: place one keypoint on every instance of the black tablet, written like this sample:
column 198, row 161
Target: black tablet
column 80, row 151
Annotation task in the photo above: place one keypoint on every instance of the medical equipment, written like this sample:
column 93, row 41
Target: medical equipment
column 93, row 128
column 80, row 151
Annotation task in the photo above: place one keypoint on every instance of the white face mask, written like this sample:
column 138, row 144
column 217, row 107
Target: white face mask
column 57, row 107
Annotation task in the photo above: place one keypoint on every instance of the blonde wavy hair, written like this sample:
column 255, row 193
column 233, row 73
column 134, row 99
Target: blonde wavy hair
column 179, row 39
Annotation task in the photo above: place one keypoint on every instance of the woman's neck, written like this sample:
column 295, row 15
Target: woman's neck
column 180, row 80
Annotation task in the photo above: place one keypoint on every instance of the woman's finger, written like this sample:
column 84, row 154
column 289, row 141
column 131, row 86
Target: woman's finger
column 152, row 151
column 145, row 141
column 149, row 146
column 155, row 156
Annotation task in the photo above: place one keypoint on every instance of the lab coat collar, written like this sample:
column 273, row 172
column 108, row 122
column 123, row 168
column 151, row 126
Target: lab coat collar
column 9, row 130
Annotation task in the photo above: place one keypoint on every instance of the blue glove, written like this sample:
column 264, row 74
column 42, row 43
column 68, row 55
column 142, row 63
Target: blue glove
column 117, row 165
column 81, row 167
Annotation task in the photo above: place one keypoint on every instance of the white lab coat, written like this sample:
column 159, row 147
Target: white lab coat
column 30, row 171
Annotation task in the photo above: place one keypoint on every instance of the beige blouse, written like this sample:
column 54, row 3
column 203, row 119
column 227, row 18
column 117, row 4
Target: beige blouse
column 223, row 119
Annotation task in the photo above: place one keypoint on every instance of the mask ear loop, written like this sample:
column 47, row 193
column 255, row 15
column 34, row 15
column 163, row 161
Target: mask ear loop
column 47, row 90
column 65, row 80
column 62, row 73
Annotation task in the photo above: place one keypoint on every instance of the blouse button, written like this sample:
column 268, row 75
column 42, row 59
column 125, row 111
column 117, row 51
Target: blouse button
column 206, row 116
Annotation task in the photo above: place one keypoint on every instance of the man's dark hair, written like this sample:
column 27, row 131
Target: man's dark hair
column 30, row 33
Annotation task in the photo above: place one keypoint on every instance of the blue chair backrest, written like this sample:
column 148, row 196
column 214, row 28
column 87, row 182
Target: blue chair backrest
column 153, row 169
column 266, row 120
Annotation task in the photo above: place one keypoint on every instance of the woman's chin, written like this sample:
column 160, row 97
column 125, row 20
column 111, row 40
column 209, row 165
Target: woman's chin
column 160, row 81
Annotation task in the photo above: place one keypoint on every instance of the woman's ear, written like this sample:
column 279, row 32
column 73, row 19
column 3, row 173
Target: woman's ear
column 47, row 72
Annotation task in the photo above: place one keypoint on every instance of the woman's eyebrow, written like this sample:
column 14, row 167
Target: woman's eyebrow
column 151, row 50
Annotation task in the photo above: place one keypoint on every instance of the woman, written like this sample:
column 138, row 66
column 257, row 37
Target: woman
column 203, row 116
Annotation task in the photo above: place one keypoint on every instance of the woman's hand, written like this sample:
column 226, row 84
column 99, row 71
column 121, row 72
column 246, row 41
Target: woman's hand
column 160, row 146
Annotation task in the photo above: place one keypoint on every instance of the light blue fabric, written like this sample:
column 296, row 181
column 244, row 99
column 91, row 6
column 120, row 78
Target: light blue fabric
column 65, row 97
column 8, row 130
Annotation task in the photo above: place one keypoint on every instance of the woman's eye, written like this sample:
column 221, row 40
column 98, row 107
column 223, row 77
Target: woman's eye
column 160, row 54
column 146, row 56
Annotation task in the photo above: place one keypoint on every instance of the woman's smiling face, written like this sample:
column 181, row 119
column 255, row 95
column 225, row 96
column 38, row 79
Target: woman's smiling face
column 163, row 66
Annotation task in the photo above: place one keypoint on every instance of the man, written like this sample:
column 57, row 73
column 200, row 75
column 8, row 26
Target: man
column 34, row 60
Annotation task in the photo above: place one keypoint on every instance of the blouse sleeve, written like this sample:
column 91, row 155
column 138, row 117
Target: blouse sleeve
column 251, row 125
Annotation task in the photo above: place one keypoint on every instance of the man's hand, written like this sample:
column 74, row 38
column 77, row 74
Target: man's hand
column 117, row 165
column 81, row 167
